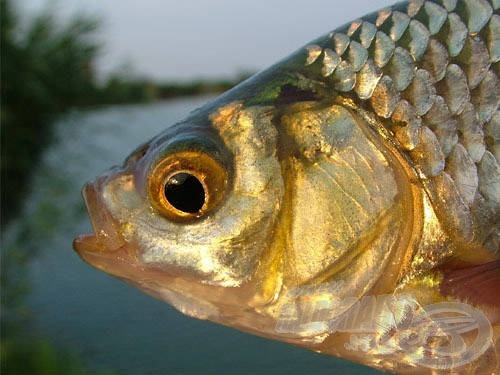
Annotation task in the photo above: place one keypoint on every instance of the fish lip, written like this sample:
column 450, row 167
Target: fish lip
column 119, row 262
column 106, row 237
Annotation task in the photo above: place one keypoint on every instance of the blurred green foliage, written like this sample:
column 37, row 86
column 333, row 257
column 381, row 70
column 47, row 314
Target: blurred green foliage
column 120, row 88
column 36, row 356
column 45, row 70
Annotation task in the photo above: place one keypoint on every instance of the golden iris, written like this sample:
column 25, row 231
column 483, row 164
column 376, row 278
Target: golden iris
column 186, row 185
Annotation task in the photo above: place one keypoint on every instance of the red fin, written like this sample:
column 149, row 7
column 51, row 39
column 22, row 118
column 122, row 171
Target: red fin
column 478, row 284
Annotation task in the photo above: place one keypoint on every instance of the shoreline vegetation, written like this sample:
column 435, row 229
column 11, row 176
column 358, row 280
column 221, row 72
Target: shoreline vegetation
column 47, row 69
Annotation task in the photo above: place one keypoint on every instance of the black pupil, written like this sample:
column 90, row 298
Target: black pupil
column 185, row 192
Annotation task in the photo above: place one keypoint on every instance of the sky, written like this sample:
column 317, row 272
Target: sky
column 189, row 39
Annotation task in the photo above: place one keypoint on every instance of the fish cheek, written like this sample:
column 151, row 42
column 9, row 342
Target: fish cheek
column 243, row 226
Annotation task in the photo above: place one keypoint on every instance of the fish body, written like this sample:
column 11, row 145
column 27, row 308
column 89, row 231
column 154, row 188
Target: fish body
column 358, row 177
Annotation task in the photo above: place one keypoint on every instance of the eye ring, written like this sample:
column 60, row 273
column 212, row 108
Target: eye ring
column 186, row 185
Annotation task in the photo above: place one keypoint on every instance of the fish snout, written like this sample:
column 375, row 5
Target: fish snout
column 106, row 236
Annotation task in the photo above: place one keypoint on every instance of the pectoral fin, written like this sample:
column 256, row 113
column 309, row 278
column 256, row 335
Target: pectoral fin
column 475, row 284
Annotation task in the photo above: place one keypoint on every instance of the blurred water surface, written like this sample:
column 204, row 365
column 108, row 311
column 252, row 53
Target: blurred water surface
column 110, row 325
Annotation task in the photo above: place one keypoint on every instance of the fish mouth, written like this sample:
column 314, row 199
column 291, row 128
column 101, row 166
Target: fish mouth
column 105, row 249
column 106, row 237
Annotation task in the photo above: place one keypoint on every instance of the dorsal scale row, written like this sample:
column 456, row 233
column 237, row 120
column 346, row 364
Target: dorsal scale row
column 431, row 68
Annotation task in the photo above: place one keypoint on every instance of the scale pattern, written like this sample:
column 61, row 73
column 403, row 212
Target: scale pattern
column 429, row 71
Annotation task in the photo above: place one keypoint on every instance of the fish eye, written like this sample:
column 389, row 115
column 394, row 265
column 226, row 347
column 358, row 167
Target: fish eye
column 186, row 185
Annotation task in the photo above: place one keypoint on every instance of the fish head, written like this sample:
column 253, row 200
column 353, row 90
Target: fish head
column 188, row 215
column 226, row 213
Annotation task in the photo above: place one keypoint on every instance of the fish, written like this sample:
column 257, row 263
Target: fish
column 345, row 200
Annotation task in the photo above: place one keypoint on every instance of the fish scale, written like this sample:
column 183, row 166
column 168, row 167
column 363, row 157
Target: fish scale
column 431, row 68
